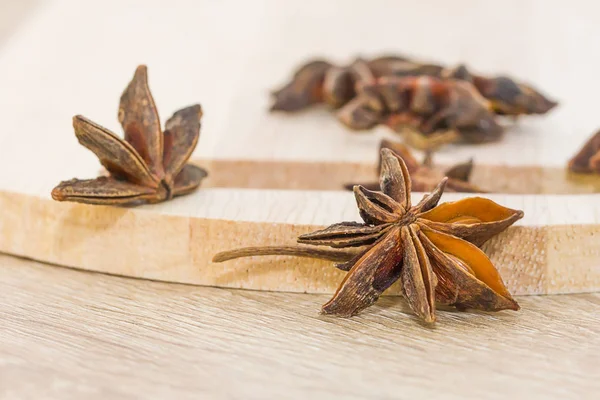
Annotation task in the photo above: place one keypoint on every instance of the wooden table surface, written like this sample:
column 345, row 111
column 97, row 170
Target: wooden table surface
column 71, row 334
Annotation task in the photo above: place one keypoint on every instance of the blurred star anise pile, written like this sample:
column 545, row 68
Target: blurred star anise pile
column 428, row 99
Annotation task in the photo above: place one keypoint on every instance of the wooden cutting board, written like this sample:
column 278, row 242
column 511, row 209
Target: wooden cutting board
column 275, row 176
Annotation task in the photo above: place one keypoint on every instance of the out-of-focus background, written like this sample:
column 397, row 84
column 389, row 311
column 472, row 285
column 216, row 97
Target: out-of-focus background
column 71, row 57
column 76, row 335
column 12, row 14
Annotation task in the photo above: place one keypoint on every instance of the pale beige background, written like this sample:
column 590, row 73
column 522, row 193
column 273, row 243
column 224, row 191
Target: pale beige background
column 68, row 334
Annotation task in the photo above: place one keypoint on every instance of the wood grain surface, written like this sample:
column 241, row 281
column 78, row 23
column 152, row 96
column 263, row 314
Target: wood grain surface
column 68, row 334
column 302, row 175
column 232, row 78
column 260, row 44
column 241, row 143
column 545, row 252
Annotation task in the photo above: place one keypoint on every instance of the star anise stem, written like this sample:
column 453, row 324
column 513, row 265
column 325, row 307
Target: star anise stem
column 298, row 251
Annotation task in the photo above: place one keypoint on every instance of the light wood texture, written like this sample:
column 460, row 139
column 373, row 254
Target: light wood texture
column 48, row 74
column 61, row 74
column 52, row 74
column 302, row 175
column 12, row 15
column 546, row 252
column 66, row 334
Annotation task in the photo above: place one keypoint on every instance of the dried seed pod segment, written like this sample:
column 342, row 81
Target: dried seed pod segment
column 506, row 95
column 509, row 97
column 318, row 82
column 304, row 89
column 587, row 160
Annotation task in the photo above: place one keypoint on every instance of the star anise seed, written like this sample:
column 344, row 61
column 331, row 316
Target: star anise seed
column 149, row 165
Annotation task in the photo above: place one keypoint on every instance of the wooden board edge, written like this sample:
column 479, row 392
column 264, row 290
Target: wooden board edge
column 304, row 175
column 141, row 244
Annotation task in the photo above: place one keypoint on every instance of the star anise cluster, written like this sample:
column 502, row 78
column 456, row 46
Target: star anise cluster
column 430, row 106
column 424, row 176
column 149, row 165
column 431, row 249
column 587, row 160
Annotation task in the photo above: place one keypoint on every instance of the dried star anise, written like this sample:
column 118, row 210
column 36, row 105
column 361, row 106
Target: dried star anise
column 423, row 176
column 511, row 98
column 401, row 66
column 149, row 165
column 339, row 86
column 319, row 81
column 305, row 89
column 433, row 250
column 425, row 103
column 587, row 160
column 322, row 82
column 507, row 96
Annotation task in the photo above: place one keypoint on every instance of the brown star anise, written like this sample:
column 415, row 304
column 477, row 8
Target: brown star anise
column 509, row 97
column 149, row 165
column 423, row 175
column 305, row 88
column 587, row 160
column 424, row 103
column 506, row 95
column 433, row 250
column 319, row 81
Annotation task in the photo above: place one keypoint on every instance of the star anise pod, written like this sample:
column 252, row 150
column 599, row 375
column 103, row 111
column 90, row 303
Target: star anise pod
column 149, row 165
column 321, row 82
column 305, row 88
column 427, row 104
column 423, row 176
column 433, row 250
column 509, row 97
column 402, row 66
column 587, row 160
column 339, row 86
